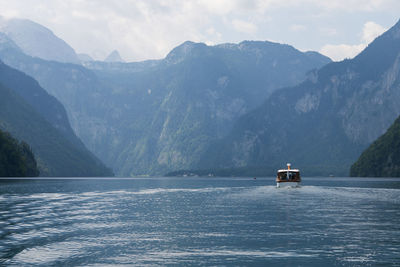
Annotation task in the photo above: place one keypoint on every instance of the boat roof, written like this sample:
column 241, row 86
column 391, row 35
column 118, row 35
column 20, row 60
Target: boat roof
column 286, row 170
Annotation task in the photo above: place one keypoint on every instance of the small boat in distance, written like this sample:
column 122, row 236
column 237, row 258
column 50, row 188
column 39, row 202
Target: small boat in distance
column 288, row 177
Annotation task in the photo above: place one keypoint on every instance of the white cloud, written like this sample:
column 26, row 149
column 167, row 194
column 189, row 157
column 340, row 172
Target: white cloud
column 142, row 29
column 297, row 28
column 329, row 31
column 341, row 51
column 223, row 7
column 370, row 31
column 219, row 7
column 244, row 26
column 355, row 5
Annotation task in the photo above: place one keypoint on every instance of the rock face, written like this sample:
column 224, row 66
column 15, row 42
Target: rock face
column 30, row 114
column 37, row 41
column 382, row 157
column 156, row 116
column 166, row 112
column 323, row 124
column 46, row 105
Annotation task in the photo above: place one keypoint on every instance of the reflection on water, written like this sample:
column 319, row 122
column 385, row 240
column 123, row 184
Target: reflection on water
column 170, row 221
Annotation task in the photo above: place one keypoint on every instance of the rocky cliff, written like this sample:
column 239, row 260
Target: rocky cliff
column 324, row 123
column 30, row 114
column 155, row 116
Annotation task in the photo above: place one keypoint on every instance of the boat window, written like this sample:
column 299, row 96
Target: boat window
column 282, row 175
column 289, row 175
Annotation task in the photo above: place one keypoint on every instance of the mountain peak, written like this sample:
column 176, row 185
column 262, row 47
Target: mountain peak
column 37, row 41
column 114, row 56
column 182, row 51
column 380, row 54
column 6, row 42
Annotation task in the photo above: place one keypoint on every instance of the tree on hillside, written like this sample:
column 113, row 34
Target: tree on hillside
column 16, row 158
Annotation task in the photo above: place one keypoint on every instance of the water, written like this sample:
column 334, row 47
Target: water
column 199, row 221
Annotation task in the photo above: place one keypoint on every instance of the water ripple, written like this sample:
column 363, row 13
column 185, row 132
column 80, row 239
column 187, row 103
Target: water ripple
column 200, row 225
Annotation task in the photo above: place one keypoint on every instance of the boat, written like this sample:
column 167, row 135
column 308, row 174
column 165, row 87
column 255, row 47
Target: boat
column 288, row 177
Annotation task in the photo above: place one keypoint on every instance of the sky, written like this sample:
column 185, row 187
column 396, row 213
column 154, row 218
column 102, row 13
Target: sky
column 149, row 29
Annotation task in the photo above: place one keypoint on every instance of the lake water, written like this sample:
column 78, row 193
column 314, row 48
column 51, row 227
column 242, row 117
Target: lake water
column 200, row 221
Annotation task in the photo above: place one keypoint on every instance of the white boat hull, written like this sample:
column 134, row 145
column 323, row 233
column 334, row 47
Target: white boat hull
column 287, row 184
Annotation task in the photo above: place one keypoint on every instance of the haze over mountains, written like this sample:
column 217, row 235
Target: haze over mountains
column 156, row 116
column 38, row 41
column 114, row 56
column 323, row 123
column 250, row 105
column 30, row 114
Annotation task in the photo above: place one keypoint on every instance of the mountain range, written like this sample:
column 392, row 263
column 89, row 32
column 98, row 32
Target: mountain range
column 247, row 107
column 324, row 123
column 114, row 56
column 33, row 116
column 156, row 116
column 37, row 41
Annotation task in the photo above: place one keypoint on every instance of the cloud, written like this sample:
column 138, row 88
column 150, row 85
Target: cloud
column 329, row 31
column 244, row 26
column 341, row 51
column 138, row 29
column 356, row 5
column 142, row 29
column 297, row 27
column 370, row 31
column 219, row 7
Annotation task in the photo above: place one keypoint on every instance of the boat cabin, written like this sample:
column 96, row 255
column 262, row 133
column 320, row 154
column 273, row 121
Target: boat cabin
column 288, row 175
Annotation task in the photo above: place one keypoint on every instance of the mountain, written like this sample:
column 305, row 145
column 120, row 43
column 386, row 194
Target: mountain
column 83, row 96
column 46, row 105
column 114, row 57
column 155, row 116
column 84, row 57
column 323, row 124
column 16, row 158
column 37, row 41
column 30, row 114
column 166, row 112
column 381, row 158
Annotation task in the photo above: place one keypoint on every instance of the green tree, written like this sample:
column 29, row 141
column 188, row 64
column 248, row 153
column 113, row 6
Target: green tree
column 16, row 158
